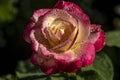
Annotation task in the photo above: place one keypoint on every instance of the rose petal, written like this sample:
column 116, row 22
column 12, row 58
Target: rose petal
column 97, row 37
column 39, row 13
column 83, row 34
column 86, row 53
column 68, row 43
column 34, row 18
column 53, row 40
column 84, row 56
column 69, row 66
column 49, row 66
column 26, row 34
column 66, row 56
column 74, row 10
column 66, row 5
column 54, row 14
column 99, row 44
column 33, row 58
column 59, row 4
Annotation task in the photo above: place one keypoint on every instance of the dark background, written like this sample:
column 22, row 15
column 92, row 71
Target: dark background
column 15, row 14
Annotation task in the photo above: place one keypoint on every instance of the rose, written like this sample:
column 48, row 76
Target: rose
column 62, row 38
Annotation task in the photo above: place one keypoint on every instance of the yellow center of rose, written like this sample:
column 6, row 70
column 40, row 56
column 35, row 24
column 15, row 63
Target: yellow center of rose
column 58, row 32
column 62, row 30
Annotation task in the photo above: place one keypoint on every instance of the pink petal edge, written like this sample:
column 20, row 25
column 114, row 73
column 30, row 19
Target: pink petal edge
column 62, row 56
column 97, row 37
column 85, row 58
column 47, row 65
column 99, row 44
column 74, row 10
column 33, row 20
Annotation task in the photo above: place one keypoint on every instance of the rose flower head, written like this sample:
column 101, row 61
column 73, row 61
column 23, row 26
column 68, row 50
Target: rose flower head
column 62, row 38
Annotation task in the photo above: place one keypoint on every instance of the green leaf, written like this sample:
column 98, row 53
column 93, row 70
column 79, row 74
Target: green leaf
column 101, row 69
column 90, row 75
column 113, row 38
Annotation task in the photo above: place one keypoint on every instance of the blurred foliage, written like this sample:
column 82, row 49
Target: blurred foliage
column 8, row 77
column 113, row 38
column 15, row 14
column 7, row 10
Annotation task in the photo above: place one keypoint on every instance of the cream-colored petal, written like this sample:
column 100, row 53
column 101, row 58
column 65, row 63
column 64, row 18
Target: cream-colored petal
column 53, row 40
column 84, row 32
column 67, row 44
